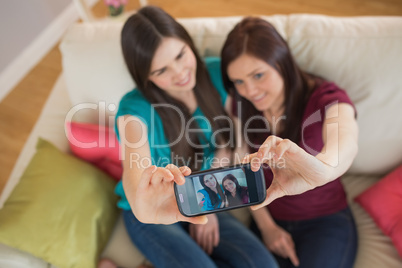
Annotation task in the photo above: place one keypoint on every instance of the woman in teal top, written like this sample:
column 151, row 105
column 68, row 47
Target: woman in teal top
column 167, row 127
column 211, row 195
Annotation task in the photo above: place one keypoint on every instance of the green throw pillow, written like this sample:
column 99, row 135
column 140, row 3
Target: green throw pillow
column 63, row 210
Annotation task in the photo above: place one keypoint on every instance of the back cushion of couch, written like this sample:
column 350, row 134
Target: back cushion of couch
column 209, row 34
column 95, row 73
column 364, row 56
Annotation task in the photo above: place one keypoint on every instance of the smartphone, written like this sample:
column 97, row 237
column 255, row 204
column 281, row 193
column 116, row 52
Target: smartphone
column 220, row 189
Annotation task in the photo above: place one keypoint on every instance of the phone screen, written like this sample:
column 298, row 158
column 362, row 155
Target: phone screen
column 220, row 189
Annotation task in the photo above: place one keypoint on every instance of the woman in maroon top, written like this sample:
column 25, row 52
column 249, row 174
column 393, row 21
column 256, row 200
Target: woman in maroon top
column 234, row 192
column 302, row 130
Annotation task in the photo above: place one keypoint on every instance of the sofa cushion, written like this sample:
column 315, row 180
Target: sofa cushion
column 94, row 69
column 374, row 249
column 62, row 211
column 383, row 201
column 363, row 55
column 97, row 145
column 14, row 258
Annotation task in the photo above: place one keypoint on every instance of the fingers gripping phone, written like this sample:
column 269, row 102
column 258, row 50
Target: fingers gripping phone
column 220, row 189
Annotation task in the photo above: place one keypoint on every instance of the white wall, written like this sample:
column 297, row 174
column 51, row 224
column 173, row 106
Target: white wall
column 28, row 30
column 21, row 21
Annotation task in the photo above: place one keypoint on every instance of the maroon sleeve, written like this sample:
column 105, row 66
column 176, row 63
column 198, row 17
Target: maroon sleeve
column 327, row 94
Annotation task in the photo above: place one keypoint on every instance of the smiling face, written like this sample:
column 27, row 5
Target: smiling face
column 230, row 186
column 210, row 181
column 258, row 82
column 173, row 68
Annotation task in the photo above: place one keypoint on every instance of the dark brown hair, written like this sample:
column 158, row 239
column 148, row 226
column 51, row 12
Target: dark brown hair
column 258, row 38
column 212, row 195
column 235, row 181
column 142, row 34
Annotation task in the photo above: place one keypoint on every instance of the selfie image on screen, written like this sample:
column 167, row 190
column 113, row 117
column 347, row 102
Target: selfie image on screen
column 221, row 189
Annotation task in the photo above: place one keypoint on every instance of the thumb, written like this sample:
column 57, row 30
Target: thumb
column 273, row 192
column 194, row 220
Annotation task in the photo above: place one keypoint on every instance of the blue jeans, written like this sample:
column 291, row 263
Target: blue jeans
column 172, row 246
column 329, row 241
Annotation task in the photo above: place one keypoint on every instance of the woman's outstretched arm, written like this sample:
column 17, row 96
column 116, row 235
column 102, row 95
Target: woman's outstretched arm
column 149, row 189
column 295, row 171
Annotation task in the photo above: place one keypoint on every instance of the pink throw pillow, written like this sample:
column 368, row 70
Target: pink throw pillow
column 97, row 145
column 383, row 201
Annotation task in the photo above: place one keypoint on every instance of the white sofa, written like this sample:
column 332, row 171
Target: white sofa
column 362, row 54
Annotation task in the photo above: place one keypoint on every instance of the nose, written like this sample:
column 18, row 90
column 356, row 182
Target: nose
column 178, row 70
column 250, row 88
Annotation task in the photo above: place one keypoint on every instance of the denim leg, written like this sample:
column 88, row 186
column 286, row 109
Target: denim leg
column 329, row 241
column 166, row 245
column 239, row 247
column 282, row 262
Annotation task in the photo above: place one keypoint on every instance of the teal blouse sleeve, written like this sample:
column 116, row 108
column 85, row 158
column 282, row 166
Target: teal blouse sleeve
column 134, row 103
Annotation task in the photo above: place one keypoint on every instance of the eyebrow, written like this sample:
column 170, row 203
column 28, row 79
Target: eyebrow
column 253, row 72
column 160, row 69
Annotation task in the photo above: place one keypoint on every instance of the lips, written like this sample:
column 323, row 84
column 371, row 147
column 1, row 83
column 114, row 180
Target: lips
column 259, row 97
column 184, row 81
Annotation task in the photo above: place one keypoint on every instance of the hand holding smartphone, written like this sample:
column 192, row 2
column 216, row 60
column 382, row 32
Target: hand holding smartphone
column 220, row 189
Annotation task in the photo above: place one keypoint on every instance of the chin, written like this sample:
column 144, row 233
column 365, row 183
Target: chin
column 260, row 108
column 263, row 107
column 185, row 88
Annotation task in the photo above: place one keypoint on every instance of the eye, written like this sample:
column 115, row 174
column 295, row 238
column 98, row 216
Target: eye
column 181, row 54
column 237, row 82
column 160, row 71
column 258, row 76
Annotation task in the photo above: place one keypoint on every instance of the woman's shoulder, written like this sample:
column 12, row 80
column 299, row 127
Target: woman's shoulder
column 326, row 93
column 134, row 103
column 324, row 88
column 202, row 191
column 133, row 96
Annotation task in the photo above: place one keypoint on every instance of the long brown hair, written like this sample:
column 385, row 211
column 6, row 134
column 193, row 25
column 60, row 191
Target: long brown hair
column 212, row 195
column 257, row 37
column 142, row 34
